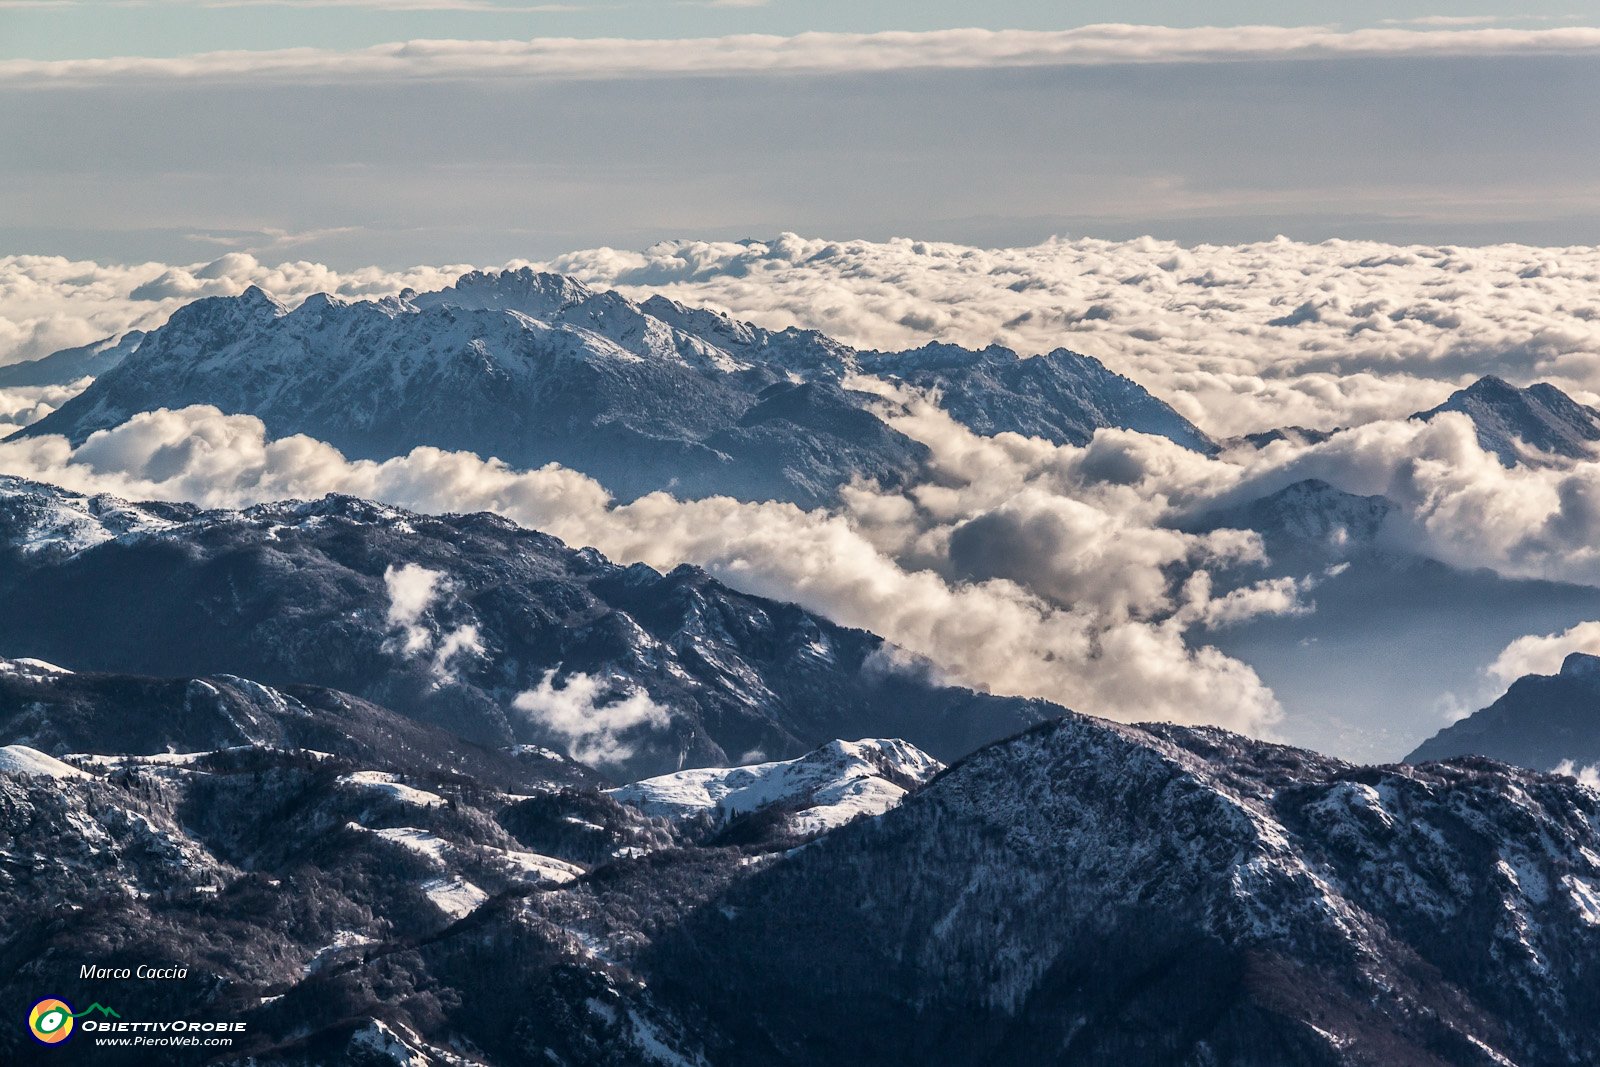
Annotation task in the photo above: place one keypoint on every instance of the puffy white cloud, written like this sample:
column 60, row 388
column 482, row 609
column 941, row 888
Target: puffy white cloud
column 1237, row 337
column 1457, row 503
column 1017, row 565
column 1589, row 776
column 1543, row 653
column 591, row 716
column 25, row 405
column 804, row 53
column 413, row 591
column 1119, row 646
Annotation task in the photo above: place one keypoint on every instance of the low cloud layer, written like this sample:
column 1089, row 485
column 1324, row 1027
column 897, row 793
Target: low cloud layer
column 25, row 406
column 591, row 58
column 1239, row 338
column 1103, row 627
column 1016, row 566
column 413, row 593
column 599, row 723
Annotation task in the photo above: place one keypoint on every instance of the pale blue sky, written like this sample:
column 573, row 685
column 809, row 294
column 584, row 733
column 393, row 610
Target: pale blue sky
column 55, row 29
column 399, row 160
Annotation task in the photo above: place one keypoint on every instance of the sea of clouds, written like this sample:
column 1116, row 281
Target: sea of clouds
column 1016, row 566
column 1239, row 338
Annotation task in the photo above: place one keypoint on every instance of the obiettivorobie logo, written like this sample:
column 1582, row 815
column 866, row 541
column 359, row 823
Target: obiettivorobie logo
column 51, row 1020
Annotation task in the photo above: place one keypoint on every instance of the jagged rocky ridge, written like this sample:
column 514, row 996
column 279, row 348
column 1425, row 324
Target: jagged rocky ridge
column 1534, row 425
column 1528, row 425
column 1060, row 396
column 534, row 368
column 296, row 593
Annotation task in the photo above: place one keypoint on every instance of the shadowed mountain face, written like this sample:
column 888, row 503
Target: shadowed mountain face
column 71, row 364
column 1081, row 894
column 451, row 620
column 1541, row 722
column 1307, row 524
column 1513, row 421
column 1392, row 631
column 536, row 368
column 59, row 712
column 1094, row 894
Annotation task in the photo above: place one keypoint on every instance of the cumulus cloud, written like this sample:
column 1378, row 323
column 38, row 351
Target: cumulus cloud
column 591, row 716
column 1543, row 653
column 1016, row 565
column 875, row 563
column 1457, row 503
column 413, row 591
column 25, row 405
column 1589, row 776
column 1239, row 338
column 805, row 53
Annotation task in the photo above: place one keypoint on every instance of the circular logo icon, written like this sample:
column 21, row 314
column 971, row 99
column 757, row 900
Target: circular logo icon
column 50, row 1020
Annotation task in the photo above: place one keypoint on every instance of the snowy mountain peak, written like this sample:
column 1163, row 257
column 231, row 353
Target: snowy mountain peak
column 824, row 789
column 254, row 301
column 1306, row 522
column 1061, row 396
column 538, row 294
column 534, row 368
column 1524, row 425
column 41, row 519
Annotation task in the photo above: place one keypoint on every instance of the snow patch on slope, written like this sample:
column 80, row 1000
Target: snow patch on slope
column 20, row 759
column 837, row 783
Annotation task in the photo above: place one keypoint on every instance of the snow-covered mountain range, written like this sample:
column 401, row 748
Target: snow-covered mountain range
column 440, row 789
column 1094, row 894
column 534, row 368
column 1082, row 893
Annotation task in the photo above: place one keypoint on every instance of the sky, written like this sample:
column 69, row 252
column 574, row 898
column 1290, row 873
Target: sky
column 435, row 131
